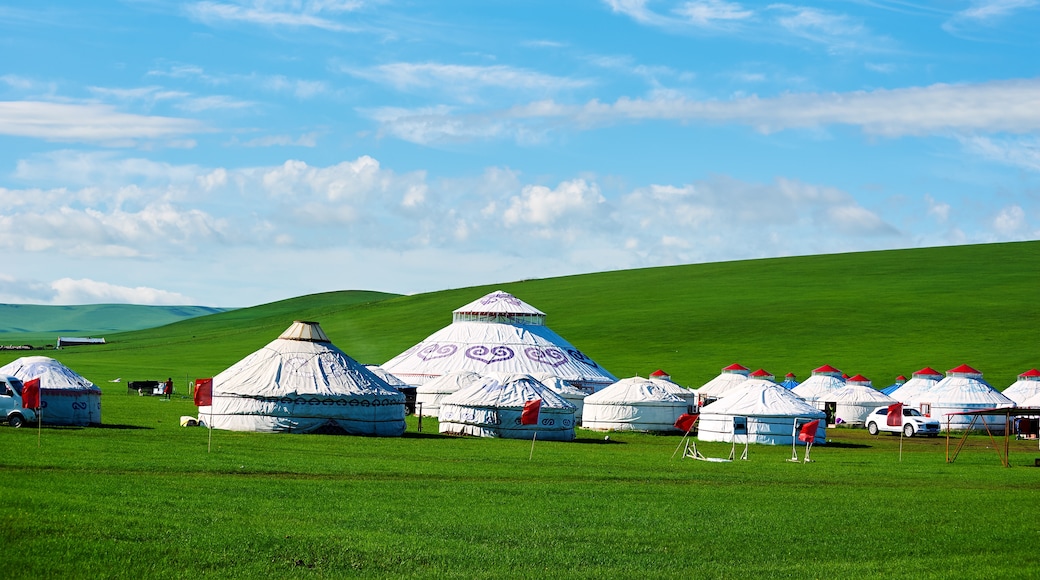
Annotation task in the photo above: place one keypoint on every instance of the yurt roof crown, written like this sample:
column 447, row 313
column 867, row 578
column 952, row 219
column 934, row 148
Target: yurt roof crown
column 306, row 331
column 501, row 307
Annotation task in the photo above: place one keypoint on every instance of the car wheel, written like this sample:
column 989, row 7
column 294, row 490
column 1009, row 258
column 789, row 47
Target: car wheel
column 872, row 428
column 908, row 430
column 15, row 421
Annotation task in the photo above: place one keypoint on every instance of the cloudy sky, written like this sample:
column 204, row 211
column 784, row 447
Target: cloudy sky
column 236, row 152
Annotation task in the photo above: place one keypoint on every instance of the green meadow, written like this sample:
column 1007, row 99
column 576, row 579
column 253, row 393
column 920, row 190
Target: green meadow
column 142, row 497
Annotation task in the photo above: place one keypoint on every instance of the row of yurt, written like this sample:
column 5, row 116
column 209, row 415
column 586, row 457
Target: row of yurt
column 498, row 333
column 66, row 398
column 856, row 400
column 730, row 378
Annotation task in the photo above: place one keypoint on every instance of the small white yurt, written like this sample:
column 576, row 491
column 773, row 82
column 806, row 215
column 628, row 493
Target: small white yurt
column 920, row 382
column 769, row 414
column 301, row 383
column 856, row 400
column 730, row 377
column 819, row 388
column 498, row 333
column 664, row 379
column 573, row 394
column 65, row 397
column 1027, row 385
column 633, row 404
column 429, row 395
column 491, row 407
column 963, row 390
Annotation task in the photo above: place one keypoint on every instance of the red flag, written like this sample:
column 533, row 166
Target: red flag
column 203, row 392
column 808, row 431
column 529, row 416
column 31, row 394
column 685, row 422
column 895, row 415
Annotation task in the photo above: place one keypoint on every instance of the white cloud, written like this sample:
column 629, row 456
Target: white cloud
column 940, row 210
column 289, row 14
column 305, row 140
column 89, row 123
column 713, row 12
column 1023, row 153
column 994, row 9
column 86, row 291
column 541, row 206
column 1011, row 221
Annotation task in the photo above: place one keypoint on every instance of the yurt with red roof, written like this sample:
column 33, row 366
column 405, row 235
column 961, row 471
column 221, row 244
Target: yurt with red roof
column 963, row 390
column 855, row 401
column 665, row 380
column 1027, row 386
column 760, row 411
column 816, row 389
column 498, row 333
column 790, row 381
column 899, row 382
column 730, row 377
column 920, row 382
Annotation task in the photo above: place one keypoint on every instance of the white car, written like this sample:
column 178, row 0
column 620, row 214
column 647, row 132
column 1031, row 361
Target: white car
column 11, row 409
column 913, row 423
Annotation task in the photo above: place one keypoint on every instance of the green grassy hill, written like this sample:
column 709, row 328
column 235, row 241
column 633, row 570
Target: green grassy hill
column 33, row 323
column 877, row 313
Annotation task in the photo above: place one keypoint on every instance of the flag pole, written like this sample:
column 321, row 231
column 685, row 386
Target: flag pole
column 900, row 445
column 687, row 434
column 533, row 437
column 39, row 426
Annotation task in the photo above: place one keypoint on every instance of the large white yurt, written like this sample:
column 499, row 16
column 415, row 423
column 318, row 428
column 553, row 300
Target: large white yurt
column 771, row 414
column 301, row 383
column 573, row 394
column 498, row 333
column 963, row 390
column 491, row 407
column 429, row 395
column 730, row 377
column 856, row 400
column 1027, row 385
column 819, row 388
column 65, row 397
column 633, row 404
column 920, row 382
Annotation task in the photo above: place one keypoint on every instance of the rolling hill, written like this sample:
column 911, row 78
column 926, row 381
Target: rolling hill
column 875, row 313
column 47, row 322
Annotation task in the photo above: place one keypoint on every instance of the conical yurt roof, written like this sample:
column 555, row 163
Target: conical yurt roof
column 497, row 334
column 920, row 383
column 449, row 383
column 729, row 378
column 964, row 387
column 1027, row 385
column 387, row 377
column 821, row 385
column 761, row 398
column 53, row 374
column 635, row 390
column 493, row 406
column 860, row 394
column 301, row 382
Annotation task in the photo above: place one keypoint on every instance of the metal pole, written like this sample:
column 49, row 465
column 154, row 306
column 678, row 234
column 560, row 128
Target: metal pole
column 420, row 417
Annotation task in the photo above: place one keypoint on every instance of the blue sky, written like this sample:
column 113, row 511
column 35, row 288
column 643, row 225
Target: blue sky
column 235, row 152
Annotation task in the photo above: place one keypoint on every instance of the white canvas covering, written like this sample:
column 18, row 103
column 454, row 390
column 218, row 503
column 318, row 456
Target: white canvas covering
column 573, row 394
column 491, row 338
column 964, row 390
column 772, row 414
column 1027, row 386
column 299, row 383
column 730, row 378
column 819, row 388
column 432, row 392
column 491, row 407
column 66, row 398
column 388, row 378
column 689, row 395
column 856, row 401
column 633, row 404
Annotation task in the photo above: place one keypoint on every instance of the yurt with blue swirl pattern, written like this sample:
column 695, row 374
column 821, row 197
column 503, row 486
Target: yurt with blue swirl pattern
column 498, row 333
column 302, row 383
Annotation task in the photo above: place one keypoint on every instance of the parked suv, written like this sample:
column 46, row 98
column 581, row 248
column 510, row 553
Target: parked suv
column 11, row 409
column 913, row 423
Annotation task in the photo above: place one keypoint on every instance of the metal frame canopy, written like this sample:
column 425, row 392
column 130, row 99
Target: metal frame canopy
column 1006, row 412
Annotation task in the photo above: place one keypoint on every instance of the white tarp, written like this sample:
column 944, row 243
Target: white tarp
column 432, row 392
column 856, row 401
column 299, row 383
column 688, row 395
column 491, row 407
column 770, row 412
column 574, row 395
column 500, row 341
column 65, row 397
column 633, row 404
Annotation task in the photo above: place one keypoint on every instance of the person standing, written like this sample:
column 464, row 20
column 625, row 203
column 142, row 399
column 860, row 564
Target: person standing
column 168, row 388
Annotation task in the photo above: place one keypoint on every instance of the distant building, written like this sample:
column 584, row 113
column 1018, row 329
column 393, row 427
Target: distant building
column 77, row 341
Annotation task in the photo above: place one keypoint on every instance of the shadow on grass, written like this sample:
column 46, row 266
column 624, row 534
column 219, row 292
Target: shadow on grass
column 598, row 441
column 426, row 435
column 120, row 427
column 844, row 445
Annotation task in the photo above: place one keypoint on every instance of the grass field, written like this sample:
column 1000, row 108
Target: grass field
column 142, row 497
